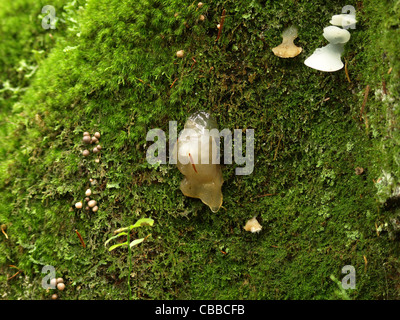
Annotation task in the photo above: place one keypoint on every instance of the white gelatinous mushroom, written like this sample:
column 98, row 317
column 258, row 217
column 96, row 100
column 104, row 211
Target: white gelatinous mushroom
column 328, row 58
column 336, row 35
column 287, row 49
column 252, row 225
column 343, row 20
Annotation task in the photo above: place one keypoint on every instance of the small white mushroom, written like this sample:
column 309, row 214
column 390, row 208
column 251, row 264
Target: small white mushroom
column 86, row 134
column 200, row 4
column 88, row 192
column 53, row 282
column 60, row 280
column 326, row 59
column 54, row 297
column 95, row 150
column 180, row 53
column 252, row 225
column 343, row 20
column 92, row 203
column 78, row 205
column 97, row 135
column 336, row 35
column 95, row 208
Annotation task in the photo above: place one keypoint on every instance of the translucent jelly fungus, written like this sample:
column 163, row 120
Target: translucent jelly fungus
column 252, row 225
column 198, row 160
column 287, row 49
column 328, row 58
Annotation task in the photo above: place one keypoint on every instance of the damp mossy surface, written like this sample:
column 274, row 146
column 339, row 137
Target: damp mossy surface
column 111, row 66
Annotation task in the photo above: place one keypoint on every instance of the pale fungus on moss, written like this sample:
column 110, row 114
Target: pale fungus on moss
column 253, row 225
column 88, row 193
column 287, row 49
column 61, row 286
column 85, row 153
column 180, row 53
column 92, row 203
column 78, row 205
column 203, row 175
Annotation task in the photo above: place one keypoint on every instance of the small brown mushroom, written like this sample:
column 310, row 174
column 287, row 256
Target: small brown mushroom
column 287, row 49
column 202, row 17
column 85, row 153
column 60, row 280
column 180, row 53
column 94, row 140
column 86, row 133
column 97, row 135
column 95, row 150
column 95, row 208
column 98, row 147
column 359, row 170
column 54, row 297
column 200, row 4
column 61, row 286
column 86, row 139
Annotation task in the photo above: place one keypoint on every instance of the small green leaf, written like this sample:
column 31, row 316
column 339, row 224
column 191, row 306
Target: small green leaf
column 113, row 237
column 117, row 245
column 142, row 222
column 136, row 242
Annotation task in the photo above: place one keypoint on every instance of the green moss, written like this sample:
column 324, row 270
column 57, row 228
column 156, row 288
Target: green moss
column 113, row 68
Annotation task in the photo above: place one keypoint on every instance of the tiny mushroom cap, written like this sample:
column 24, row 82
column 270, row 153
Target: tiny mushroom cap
column 95, row 150
column 252, row 225
column 53, row 282
column 92, row 203
column 54, row 296
column 94, row 140
column 86, row 139
column 86, row 133
column 200, row 4
column 202, row 17
column 287, row 49
column 343, row 20
column 88, row 192
column 98, row 147
column 336, row 35
column 85, row 153
column 61, row 286
column 97, row 135
column 180, row 53
column 95, row 208
column 78, row 205
column 218, row 26
column 60, row 280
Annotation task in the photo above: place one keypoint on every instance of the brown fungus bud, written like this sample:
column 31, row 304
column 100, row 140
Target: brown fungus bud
column 85, row 153
column 86, row 139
